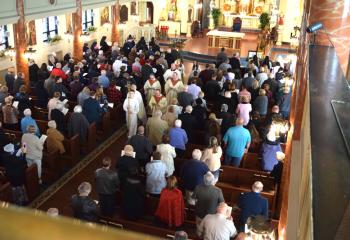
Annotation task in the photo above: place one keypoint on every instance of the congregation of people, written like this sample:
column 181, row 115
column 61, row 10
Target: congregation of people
column 235, row 109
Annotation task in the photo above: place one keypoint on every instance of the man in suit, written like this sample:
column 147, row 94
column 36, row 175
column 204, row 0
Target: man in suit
column 83, row 206
column 235, row 62
column 107, row 183
column 146, row 71
column 92, row 109
column 189, row 122
column 252, row 203
column 142, row 146
column 212, row 89
column 184, row 97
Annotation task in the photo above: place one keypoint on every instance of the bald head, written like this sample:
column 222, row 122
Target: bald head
column 141, row 130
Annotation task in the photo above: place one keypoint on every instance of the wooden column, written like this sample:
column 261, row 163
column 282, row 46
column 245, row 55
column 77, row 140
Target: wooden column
column 115, row 21
column 77, row 31
column 19, row 30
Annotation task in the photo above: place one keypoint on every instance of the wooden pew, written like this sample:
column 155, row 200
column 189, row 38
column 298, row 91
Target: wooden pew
column 231, row 194
column 42, row 125
column 105, row 125
column 118, row 115
column 14, row 136
column 251, row 161
column 91, row 137
column 40, row 113
column 32, row 182
column 51, row 166
column 6, row 192
column 246, row 177
column 72, row 147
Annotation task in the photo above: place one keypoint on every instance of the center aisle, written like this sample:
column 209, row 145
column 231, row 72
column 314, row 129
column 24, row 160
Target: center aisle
column 59, row 194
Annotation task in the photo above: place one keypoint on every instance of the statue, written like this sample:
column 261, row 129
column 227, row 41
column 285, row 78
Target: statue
column 212, row 5
column 189, row 17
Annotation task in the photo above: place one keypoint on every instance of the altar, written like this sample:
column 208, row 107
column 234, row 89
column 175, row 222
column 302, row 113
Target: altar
column 248, row 22
column 230, row 40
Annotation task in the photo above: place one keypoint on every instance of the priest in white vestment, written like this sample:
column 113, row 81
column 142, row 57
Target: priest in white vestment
column 150, row 86
column 142, row 112
column 131, row 107
column 172, row 87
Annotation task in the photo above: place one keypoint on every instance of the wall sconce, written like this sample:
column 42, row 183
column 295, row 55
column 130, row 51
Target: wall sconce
column 295, row 34
column 85, row 36
column 29, row 53
column 10, row 52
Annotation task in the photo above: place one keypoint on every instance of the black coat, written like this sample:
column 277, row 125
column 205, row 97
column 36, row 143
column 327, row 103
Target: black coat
column 84, row 208
column 15, row 168
column 124, row 165
column 142, row 146
column 133, row 199
column 146, row 71
column 59, row 118
column 185, row 99
column 200, row 113
column 189, row 124
column 212, row 90
column 78, row 124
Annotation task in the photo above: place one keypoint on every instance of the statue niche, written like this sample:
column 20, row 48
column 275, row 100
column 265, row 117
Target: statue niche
column 124, row 14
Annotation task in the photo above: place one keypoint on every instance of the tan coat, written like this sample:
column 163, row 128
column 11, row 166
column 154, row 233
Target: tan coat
column 54, row 141
column 155, row 129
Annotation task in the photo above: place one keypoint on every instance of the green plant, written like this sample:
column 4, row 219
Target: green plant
column 264, row 21
column 54, row 39
column 92, row 29
column 216, row 13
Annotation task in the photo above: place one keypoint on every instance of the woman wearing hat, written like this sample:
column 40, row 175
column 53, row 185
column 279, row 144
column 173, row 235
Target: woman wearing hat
column 54, row 138
column 15, row 167
column 10, row 114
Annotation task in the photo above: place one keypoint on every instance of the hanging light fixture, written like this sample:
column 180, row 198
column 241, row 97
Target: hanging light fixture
column 29, row 53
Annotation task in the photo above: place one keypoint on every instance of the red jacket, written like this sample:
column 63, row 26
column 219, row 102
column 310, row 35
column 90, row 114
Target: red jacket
column 59, row 72
column 171, row 207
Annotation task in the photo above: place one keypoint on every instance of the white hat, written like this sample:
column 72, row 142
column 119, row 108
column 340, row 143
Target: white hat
column 280, row 156
column 52, row 124
column 230, row 76
column 27, row 112
column 10, row 148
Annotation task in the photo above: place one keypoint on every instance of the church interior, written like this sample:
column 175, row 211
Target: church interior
column 301, row 46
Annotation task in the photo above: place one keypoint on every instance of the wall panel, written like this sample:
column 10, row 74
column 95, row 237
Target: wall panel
column 8, row 12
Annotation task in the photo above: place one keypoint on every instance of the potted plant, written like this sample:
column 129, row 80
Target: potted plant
column 54, row 39
column 216, row 13
column 92, row 29
column 264, row 21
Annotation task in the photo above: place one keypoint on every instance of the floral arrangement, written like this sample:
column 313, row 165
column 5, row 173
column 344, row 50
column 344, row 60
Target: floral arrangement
column 54, row 39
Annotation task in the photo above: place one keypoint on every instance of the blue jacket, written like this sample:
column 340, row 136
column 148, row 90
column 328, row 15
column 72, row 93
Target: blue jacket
column 252, row 204
column 26, row 121
column 192, row 174
column 92, row 110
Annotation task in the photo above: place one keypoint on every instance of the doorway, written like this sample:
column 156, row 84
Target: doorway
column 149, row 12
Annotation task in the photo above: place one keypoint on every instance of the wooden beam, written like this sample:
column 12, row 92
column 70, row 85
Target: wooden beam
column 77, row 31
column 19, row 30
column 115, row 21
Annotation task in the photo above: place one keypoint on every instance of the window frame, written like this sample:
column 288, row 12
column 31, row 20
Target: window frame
column 87, row 22
column 6, row 42
column 48, row 32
